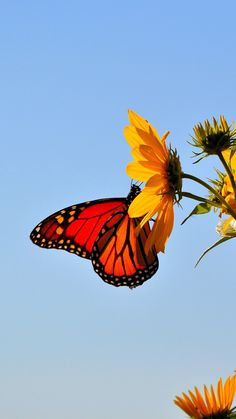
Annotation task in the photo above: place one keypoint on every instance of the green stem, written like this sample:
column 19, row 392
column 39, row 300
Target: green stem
column 201, row 199
column 212, row 190
column 222, row 159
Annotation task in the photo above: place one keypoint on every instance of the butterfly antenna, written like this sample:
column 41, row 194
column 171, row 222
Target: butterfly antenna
column 137, row 182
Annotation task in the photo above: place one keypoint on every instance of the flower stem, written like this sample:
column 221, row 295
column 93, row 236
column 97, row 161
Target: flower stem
column 212, row 190
column 201, row 199
column 222, row 159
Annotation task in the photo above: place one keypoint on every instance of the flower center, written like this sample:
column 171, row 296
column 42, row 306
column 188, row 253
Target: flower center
column 225, row 414
column 174, row 174
column 217, row 141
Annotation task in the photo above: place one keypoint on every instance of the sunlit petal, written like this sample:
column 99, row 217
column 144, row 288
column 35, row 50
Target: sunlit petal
column 150, row 140
column 220, row 393
column 211, row 405
column 139, row 122
column 152, row 165
column 142, row 204
column 138, row 172
column 201, row 403
column 148, row 153
column 160, row 168
column 162, row 227
column 149, row 215
column 158, row 182
column 132, row 137
column 186, row 405
column 136, row 154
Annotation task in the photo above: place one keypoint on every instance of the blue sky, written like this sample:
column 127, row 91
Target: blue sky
column 72, row 346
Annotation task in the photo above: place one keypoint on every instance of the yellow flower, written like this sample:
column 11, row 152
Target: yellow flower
column 214, row 404
column 160, row 168
column 225, row 186
column 215, row 138
column 228, row 193
column 227, row 228
column 230, row 158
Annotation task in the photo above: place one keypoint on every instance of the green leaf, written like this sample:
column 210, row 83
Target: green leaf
column 202, row 208
column 224, row 239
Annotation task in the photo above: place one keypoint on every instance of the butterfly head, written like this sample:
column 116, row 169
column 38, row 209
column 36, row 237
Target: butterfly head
column 134, row 191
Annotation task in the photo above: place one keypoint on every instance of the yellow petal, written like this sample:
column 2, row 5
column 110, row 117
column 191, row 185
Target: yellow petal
column 152, row 165
column 138, row 172
column 226, row 393
column 136, row 154
column 147, row 152
column 233, row 161
column 232, row 390
column 132, row 136
column 220, row 393
column 155, row 190
column 230, row 158
column 149, row 215
column 201, row 402
column 164, row 136
column 159, row 182
column 225, row 225
column 151, row 140
column 226, row 155
column 142, row 204
column 193, row 403
column 214, row 402
column 139, row 122
column 186, row 405
column 208, row 399
column 163, row 225
column 166, row 223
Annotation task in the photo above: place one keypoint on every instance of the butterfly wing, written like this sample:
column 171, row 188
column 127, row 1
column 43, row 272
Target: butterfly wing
column 76, row 228
column 102, row 231
column 118, row 255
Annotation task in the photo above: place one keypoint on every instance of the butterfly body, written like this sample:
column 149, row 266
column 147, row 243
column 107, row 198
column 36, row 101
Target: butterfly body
column 101, row 230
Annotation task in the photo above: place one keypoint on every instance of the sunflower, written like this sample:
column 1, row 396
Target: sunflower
column 215, row 404
column 213, row 138
column 160, row 168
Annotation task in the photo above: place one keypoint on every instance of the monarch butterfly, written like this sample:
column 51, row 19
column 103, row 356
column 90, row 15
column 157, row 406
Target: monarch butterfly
column 103, row 232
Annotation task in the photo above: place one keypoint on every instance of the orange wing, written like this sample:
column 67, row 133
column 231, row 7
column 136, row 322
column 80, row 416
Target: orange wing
column 118, row 255
column 75, row 228
column 102, row 231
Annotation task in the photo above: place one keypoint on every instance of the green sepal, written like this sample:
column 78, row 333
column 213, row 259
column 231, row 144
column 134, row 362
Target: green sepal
column 224, row 239
column 232, row 414
column 202, row 208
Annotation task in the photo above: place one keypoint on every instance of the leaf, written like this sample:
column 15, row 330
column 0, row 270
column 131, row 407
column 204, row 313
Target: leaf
column 224, row 239
column 202, row 208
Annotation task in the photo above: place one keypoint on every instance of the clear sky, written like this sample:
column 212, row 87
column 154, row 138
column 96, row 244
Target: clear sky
column 72, row 346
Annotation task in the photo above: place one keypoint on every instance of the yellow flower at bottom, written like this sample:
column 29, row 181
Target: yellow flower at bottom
column 215, row 404
column 160, row 168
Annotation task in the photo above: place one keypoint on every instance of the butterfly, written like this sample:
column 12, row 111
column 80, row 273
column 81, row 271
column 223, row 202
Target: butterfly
column 102, row 231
